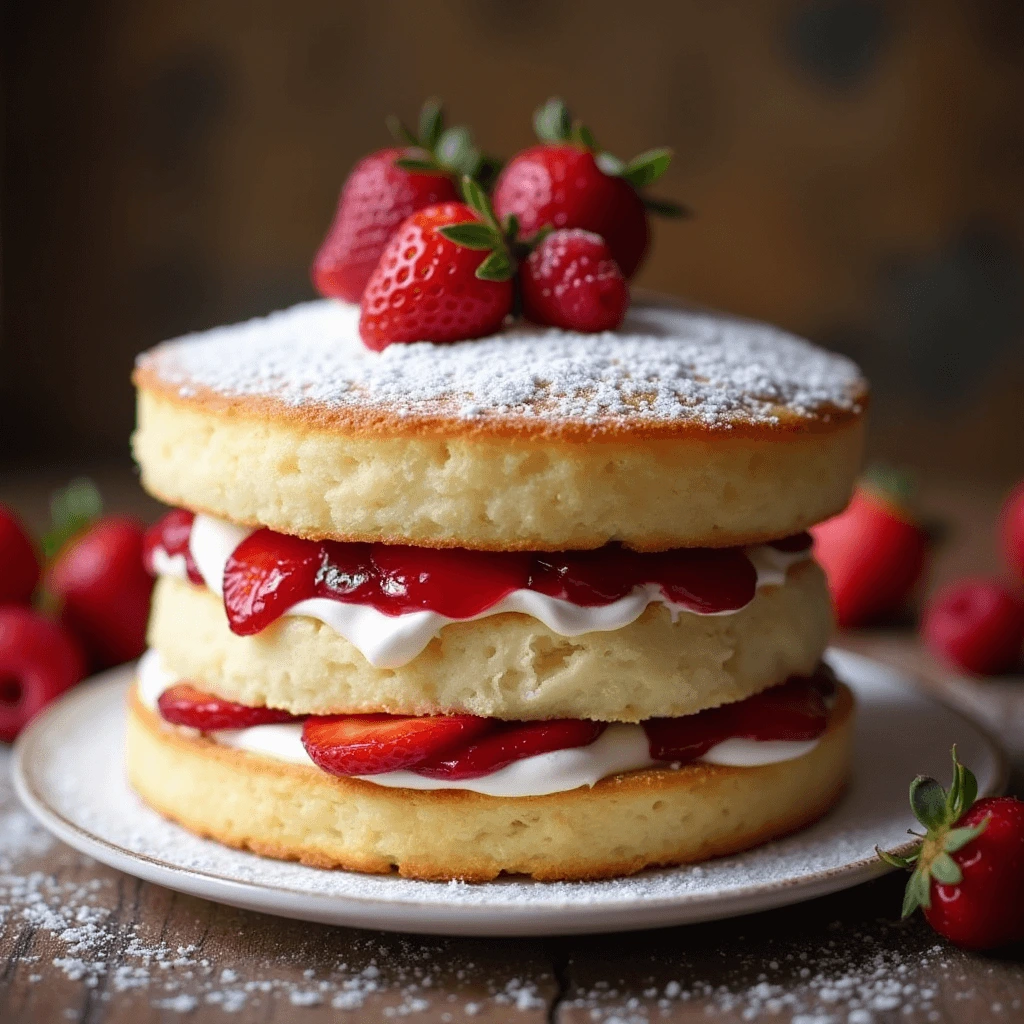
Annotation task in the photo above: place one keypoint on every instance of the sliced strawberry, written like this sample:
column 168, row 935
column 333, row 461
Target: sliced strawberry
column 795, row 710
column 450, row 581
column 183, row 704
column 372, row 744
column 511, row 741
column 172, row 535
column 265, row 575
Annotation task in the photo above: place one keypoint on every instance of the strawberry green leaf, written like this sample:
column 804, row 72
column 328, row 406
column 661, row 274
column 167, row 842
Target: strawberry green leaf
column 552, row 122
column 897, row 485
column 497, row 267
column 610, row 164
column 945, row 870
column 928, row 802
column 399, row 132
column 456, row 151
column 431, row 123
column 71, row 511
column 958, row 838
column 970, row 791
column 895, row 860
column 918, row 893
column 417, row 165
column 510, row 225
column 583, row 135
column 646, row 168
column 476, row 197
column 472, row 235
column 666, row 207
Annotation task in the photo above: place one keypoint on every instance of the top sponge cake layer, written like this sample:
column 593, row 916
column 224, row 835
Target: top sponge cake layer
column 666, row 373
column 680, row 429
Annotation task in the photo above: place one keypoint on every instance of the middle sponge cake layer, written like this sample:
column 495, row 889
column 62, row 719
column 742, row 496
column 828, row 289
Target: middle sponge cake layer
column 507, row 666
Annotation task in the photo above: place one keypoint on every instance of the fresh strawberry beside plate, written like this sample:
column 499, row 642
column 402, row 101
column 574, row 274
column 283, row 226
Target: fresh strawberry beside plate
column 873, row 553
column 967, row 873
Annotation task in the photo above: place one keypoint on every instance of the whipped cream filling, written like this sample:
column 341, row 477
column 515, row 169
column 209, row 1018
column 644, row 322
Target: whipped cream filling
column 390, row 641
column 620, row 748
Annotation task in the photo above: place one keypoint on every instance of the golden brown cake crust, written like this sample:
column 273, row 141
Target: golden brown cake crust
column 505, row 666
column 682, row 429
column 652, row 817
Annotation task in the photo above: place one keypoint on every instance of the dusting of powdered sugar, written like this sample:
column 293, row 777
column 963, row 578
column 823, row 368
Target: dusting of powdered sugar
column 66, row 916
column 665, row 365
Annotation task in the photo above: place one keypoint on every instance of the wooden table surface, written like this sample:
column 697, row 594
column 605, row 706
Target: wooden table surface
column 81, row 942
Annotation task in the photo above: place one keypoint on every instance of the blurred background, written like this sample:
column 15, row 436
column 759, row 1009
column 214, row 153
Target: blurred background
column 857, row 168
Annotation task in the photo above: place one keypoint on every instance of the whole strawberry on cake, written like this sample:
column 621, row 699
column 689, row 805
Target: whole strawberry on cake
column 475, row 566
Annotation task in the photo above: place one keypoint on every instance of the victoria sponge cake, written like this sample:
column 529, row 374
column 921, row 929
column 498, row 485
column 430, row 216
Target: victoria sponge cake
column 540, row 602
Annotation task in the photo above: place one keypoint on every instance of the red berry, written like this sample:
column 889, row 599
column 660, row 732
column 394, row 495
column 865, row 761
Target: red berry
column 371, row 744
column 38, row 661
column 571, row 281
column 978, row 625
column 1011, row 529
column 104, row 589
column 508, row 742
column 561, row 184
column 967, row 872
column 793, row 710
column 425, row 287
column 183, row 704
column 872, row 553
column 19, row 564
column 265, row 575
column 376, row 198
column 171, row 535
column 986, row 908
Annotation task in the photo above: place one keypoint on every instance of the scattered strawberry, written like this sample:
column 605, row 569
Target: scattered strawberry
column 570, row 280
column 978, row 625
column 19, row 563
column 97, row 577
column 183, row 704
column 38, row 661
column 371, row 744
column 1011, row 529
column 968, row 871
column 383, row 190
column 508, row 742
column 565, row 182
column 873, row 553
column 446, row 275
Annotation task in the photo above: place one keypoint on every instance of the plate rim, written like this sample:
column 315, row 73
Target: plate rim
column 433, row 917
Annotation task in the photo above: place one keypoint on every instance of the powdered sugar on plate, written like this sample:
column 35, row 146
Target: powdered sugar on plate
column 664, row 366
column 899, row 733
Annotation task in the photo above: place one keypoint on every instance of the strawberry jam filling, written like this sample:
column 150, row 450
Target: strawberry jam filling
column 171, row 535
column 268, row 573
column 458, row 747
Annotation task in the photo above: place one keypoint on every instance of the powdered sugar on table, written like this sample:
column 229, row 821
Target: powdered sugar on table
column 665, row 366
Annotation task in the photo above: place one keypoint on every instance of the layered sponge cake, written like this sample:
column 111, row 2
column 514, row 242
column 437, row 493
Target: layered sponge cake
column 537, row 603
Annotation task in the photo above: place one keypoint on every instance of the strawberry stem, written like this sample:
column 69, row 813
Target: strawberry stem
column 938, row 810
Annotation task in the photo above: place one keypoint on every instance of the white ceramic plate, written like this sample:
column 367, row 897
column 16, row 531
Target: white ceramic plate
column 68, row 770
